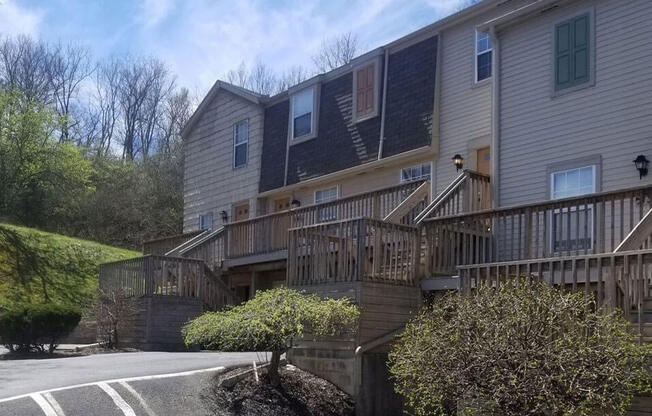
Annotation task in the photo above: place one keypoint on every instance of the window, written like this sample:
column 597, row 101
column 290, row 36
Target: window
column 483, row 52
column 572, row 52
column 206, row 222
column 327, row 213
column 572, row 228
column 303, row 119
column 415, row 173
column 240, row 143
column 365, row 91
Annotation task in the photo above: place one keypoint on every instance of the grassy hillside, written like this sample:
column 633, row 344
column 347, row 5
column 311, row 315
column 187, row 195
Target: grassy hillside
column 37, row 266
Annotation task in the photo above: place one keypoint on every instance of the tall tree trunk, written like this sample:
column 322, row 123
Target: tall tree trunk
column 274, row 377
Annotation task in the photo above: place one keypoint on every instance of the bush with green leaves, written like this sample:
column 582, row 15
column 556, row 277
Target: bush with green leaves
column 271, row 321
column 524, row 349
column 37, row 327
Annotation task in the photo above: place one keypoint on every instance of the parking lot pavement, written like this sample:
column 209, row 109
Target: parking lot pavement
column 151, row 394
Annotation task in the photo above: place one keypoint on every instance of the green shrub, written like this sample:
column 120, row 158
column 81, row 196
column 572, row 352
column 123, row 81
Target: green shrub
column 35, row 326
column 270, row 322
column 519, row 350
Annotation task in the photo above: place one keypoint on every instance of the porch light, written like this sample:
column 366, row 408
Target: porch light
column 224, row 216
column 459, row 162
column 295, row 203
column 641, row 164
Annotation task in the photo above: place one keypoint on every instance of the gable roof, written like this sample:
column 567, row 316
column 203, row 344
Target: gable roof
column 244, row 93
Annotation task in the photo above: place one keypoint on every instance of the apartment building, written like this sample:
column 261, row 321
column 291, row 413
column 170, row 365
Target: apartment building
column 508, row 139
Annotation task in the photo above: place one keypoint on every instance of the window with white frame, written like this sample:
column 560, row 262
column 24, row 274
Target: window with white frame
column 483, row 52
column 322, row 196
column 303, row 113
column 240, row 143
column 572, row 227
column 415, row 173
column 206, row 221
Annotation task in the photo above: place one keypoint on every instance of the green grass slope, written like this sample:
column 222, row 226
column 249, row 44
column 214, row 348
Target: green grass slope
column 37, row 266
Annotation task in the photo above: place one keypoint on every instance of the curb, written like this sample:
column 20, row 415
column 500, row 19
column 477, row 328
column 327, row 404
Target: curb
column 236, row 378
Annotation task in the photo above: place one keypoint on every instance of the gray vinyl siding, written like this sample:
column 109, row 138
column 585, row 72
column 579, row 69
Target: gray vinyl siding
column 612, row 119
column 210, row 182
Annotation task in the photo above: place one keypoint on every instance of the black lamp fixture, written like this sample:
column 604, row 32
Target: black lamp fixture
column 224, row 216
column 459, row 162
column 641, row 164
column 295, row 203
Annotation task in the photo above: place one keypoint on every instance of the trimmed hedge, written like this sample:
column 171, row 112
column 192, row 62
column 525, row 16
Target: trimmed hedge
column 33, row 327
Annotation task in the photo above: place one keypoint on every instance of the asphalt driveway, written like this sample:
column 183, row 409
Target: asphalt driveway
column 139, row 383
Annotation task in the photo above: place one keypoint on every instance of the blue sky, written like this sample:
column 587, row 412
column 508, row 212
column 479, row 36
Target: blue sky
column 203, row 39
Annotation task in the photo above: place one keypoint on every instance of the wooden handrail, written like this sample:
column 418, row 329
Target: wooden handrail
column 468, row 192
column 587, row 224
column 268, row 233
column 409, row 204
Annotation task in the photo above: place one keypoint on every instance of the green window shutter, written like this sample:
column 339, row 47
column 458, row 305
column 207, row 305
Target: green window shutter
column 563, row 55
column 580, row 49
column 572, row 52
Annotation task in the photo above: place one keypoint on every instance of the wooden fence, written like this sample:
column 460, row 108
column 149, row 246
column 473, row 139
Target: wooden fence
column 268, row 233
column 166, row 276
column 361, row 249
column 211, row 249
column 590, row 224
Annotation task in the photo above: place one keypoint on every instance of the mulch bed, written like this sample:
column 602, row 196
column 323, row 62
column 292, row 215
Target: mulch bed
column 7, row 355
column 300, row 394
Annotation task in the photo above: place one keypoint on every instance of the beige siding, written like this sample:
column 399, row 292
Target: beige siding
column 356, row 183
column 612, row 119
column 210, row 182
column 465, row 106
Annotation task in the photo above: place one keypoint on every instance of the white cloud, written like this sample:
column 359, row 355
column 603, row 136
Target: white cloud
column 16, row 20
column 204, row 39
column 155, row 11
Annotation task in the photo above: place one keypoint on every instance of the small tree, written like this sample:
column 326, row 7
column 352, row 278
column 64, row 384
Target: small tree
column 114, row 310
column 270, row 322
column 519, row 350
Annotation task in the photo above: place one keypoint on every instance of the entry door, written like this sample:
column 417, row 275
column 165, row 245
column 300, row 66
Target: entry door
column 484, row 160
column 241, row 233
column 280, row 224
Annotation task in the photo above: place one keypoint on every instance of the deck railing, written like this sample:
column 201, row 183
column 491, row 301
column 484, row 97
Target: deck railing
column 166, row 276
column 589, row 224
column 268, row 233
column 162, row 245
column 354, row 250
column 617, row 280
column 211, row 249
column 469, row 192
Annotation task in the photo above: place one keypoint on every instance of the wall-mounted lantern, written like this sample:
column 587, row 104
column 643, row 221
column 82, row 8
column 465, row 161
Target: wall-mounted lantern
column 641, row 164
column 295, row 203
column 458, row 161
column 224, row 216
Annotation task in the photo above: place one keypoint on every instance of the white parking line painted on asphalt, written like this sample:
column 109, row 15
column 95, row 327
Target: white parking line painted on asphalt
column 117, row 380
column 55, row 404
column 138, row 397
column 44, row 405
column 117, row 399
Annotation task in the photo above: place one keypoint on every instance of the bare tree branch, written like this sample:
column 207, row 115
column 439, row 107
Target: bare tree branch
column 336, row 52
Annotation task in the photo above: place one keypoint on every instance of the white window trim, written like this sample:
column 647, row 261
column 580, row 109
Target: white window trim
column 589, row 208
column 201, row 216
column 245, row 143
column 337, row 193
column 475, row 59
column 321, row 211
column 400, row 172
column 314, row 116
column 376, row 64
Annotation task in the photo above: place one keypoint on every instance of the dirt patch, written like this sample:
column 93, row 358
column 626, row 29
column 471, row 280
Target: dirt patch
column 300, row 394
